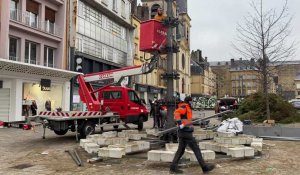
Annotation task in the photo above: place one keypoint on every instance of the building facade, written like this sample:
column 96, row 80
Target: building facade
column 100, row 37
column 181, row 59
column 32, row 57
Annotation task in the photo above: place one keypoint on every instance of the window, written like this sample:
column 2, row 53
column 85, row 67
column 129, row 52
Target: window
column 123, row 8
column 154, row 10
column 30, row 52
column 14, row 9
column 50, row 20
column 31, row 16
column 183, row 61
column 13, row 48
column 133, row 97
column 48, row 57
column 115, row 5
column 123, row 33
column 1, row 84
column 112, row 95
column 136, row 50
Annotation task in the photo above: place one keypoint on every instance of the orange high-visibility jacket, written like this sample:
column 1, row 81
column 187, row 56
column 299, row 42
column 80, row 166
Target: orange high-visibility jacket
column 183, row 115
column 159, row 18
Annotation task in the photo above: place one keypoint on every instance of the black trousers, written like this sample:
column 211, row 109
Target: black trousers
column 186, row 138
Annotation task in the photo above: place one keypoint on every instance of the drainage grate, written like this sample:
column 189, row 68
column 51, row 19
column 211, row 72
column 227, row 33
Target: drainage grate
column 22, row 166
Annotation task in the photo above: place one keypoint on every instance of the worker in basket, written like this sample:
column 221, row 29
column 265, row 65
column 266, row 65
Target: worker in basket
column 160, row 15
column 183, row 118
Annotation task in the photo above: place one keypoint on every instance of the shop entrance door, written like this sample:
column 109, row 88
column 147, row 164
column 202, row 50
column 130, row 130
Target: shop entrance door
column 4, row 104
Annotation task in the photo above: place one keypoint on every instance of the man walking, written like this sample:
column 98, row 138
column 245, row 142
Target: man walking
column 183, row 118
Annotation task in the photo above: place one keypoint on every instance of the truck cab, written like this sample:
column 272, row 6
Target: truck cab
column 125, row 102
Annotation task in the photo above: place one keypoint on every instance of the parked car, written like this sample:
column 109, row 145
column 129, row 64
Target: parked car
column 295, row 103
column 226, row 103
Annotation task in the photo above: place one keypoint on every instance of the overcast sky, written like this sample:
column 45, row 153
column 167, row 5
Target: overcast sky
column 214, row 23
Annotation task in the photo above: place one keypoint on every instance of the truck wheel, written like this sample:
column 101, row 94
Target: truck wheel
column 61, row 132
column 87, row 129
column 140, row 123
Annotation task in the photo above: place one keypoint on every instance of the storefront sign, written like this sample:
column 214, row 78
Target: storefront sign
column 141, row 88
column 154, row 90
column 45, row 85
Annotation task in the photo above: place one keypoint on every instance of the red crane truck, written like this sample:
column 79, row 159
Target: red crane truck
column 111, row 105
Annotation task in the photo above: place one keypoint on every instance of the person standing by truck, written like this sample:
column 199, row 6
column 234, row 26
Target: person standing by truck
column 183, row 118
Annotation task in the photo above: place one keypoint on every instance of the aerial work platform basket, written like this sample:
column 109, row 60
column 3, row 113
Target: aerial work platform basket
column 153, row 36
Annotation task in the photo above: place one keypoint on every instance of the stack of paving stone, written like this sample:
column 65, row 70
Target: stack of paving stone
column 228, row 143
column 115, row 145
column 168, row 154
column 201, row 134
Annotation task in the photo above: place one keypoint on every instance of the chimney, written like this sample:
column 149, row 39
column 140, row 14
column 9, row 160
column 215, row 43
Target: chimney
column 232, row 61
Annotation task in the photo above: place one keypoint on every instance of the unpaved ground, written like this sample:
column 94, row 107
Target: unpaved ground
column 21, row 153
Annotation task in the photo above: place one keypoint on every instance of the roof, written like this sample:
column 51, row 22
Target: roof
column 15, row 68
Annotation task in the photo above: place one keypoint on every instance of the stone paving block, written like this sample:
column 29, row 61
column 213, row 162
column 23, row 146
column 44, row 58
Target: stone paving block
column 151, row 131
column 216, row 147
column 227, row 141
column 202, row 145
column 119, row 140
column 225, row 134
column 84, row 141
column 257, row 140
column 111, row 152
column 136, row 136
column 235, row 141
column 154, row 155
column 104, row 141
column 167, row 156
column 103, row 152
column 131, row 131
column 110, row 134
column 208, row 154
column 248, row 141
column 171, row 146
column 200, row 136
column 91, row 147
column 219, row 140
column 143, row 145
column 132, row 147
column 242, row 141
column 122, row 134
column 236, row 152
column 116, row 152
column 212, row 135
column 257, row 146
column 249, row 152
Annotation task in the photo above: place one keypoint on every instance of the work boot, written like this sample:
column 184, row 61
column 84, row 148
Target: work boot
column 175, row 171
column 208, row 167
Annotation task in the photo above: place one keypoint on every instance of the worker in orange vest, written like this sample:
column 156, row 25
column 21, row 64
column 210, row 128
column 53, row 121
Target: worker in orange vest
column 160, row 15
column 183, row 118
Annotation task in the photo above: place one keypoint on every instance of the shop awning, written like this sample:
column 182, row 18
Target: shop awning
column 20, row 69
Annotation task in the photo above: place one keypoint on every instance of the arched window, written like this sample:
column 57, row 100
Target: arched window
column 183, row 61
column 154, row 10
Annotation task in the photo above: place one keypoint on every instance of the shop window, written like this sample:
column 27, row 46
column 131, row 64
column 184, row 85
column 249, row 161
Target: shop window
column 13, row 49
column 48, row 57
column 50, row 20
column 30, row 52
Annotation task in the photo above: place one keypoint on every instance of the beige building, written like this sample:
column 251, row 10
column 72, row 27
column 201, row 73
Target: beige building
column 181, row 59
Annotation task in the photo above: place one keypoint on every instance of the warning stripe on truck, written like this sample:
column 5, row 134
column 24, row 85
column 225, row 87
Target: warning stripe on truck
column 69, row 114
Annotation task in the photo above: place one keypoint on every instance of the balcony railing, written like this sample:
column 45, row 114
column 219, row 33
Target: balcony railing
column 32, row 61
column 13, row 58
column 31, row 20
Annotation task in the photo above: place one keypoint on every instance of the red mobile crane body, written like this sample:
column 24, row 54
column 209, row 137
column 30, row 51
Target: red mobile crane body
column 111, row 105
